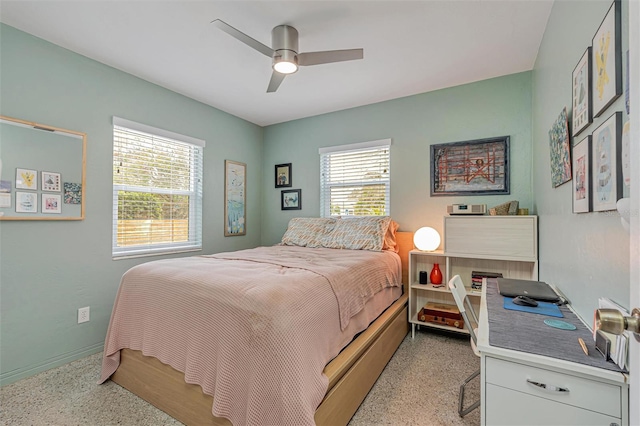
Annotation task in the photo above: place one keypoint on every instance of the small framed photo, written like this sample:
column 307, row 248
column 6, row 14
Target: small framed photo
column 27, row 179
column 283, row 175
column 50, row 181
column 51, row 203
column 582, row 176
column 581, row 82
column 291, row 199
column 606, row 154
column 607, row 60
column 26, row 202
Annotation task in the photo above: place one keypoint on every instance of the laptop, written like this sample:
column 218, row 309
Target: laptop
column 537, row 290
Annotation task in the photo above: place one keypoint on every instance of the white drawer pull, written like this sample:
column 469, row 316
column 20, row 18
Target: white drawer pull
column 547, row 387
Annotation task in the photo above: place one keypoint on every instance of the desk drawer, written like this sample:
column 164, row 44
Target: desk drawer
column 510, row 408
column 583, row 393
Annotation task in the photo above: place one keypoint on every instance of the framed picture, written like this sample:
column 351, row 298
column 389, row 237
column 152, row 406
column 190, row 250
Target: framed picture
column 283, row 175
column 5, row 194
column 26, row 202
column 51, row 203
column 476, row 167
column 50, row 181
column 291, row 199
column 72, row 193
column 581, row 82
column 606, row 180
column 560, row 150
column 582, row 176
column 27, row 179
column 235, row 198
column 607, row 61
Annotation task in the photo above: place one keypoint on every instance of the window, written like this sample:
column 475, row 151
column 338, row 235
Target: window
column 354, row 179
column 157, row 190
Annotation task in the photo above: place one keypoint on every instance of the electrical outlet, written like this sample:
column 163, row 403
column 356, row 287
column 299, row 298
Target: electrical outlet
column 83, row 315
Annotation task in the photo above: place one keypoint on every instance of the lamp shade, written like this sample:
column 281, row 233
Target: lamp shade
column 426, row 239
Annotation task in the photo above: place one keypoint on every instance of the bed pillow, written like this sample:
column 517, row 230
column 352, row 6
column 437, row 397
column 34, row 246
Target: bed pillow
column 390, row 243
column 308, row 231
column 359, row 233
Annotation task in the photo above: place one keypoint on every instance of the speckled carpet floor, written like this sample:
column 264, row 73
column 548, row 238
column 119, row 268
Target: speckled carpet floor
column 419, row 387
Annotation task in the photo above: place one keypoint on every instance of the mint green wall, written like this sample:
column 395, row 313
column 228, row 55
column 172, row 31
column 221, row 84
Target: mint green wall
column 496, row 107
column 587, row 255
column 50, row 269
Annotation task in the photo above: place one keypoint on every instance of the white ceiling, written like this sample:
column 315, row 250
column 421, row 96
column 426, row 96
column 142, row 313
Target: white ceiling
column 410, row 47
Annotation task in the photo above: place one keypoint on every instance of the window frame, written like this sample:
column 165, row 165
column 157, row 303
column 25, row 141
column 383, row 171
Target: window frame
column 196, row 147
column 355, row 148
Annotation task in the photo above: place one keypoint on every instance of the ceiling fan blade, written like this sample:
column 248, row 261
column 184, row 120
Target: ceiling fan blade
column 262, row 48
column 274, row 83
column 328, row 56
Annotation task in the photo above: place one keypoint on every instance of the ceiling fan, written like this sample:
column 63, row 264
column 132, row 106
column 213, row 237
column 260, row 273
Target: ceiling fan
column 284, row 51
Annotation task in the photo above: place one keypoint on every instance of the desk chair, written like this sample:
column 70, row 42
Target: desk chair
column 460, row 295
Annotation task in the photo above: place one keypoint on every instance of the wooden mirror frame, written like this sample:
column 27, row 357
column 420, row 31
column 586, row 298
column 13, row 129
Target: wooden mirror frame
column 70, row 133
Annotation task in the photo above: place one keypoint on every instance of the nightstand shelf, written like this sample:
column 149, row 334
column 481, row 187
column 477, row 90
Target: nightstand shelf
column 505, row 244
column 415, row 321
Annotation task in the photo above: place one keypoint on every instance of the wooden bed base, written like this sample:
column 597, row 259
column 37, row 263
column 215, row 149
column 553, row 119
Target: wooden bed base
column 351, row 374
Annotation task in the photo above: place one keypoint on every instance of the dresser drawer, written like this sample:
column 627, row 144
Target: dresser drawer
column 583, row 393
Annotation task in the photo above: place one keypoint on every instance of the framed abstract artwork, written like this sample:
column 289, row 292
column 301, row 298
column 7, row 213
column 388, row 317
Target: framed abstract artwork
column 582, row 176
column 606, row 174
column 291, row 199
column 581, row 86
column 235, row 198
column 476, row 167
column 607, row 60
column 560, row 150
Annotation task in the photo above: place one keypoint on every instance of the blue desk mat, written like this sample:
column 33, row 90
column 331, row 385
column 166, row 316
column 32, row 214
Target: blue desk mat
column 543, row 308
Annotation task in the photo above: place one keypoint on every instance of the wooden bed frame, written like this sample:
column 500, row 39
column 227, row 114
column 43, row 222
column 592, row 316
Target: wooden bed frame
column 351, row 374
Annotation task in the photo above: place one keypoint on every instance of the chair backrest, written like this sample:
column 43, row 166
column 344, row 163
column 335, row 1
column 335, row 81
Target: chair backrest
column 460, row 295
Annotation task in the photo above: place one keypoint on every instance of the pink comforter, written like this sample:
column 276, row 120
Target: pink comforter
column 255, row 328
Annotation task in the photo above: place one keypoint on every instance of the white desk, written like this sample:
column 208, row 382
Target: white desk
column 576, row 394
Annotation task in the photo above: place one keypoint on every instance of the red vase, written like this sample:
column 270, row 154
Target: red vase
column 436, row 274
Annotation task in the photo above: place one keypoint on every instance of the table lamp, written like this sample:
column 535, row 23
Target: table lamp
column 426, row 239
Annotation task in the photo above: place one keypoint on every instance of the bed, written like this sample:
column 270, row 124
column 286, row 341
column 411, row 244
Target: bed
column 169, row 375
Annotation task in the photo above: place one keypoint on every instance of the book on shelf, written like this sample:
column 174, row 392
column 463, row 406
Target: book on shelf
column 478, row 276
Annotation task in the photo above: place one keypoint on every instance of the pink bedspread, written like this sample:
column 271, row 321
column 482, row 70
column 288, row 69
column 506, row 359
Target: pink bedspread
column 255, row 328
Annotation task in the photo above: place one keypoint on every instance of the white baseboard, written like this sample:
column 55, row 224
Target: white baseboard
column 30, row 370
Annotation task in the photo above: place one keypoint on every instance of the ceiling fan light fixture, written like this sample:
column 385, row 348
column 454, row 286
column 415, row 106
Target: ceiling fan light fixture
column 285, row 62
column 284, row 67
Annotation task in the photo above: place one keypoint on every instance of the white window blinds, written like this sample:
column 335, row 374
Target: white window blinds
column 354, row 179
column 157, row 190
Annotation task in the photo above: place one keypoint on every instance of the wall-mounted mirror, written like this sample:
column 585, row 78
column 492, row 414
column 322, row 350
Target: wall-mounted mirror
column 42, row 171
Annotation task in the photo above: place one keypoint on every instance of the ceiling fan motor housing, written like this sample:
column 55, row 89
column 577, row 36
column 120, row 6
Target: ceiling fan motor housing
column 284, row 41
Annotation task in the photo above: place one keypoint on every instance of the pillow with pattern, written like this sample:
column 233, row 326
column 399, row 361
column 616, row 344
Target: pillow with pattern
column 308, row 231
column 359, row 233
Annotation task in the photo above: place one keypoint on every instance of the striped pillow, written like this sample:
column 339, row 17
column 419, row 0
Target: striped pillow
column 308, row 231
column 359, row 233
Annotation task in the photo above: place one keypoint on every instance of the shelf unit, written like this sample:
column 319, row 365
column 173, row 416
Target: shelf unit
column 506, row 244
